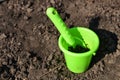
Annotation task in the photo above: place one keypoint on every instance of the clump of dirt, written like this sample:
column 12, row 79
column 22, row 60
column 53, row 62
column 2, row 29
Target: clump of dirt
column 78, row 49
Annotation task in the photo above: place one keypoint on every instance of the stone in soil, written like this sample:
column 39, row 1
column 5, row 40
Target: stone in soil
column 2, row 36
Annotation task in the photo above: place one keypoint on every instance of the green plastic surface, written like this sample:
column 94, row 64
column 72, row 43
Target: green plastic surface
column 61, row 26
column 76, row 62
column 79, row 62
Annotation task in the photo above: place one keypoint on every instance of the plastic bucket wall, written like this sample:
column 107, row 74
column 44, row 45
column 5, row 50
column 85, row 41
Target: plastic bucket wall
column 79, row 62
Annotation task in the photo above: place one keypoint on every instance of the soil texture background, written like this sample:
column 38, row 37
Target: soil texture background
column 29, row 41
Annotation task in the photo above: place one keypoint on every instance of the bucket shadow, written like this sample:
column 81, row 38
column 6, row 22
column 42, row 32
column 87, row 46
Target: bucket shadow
column 108, row 41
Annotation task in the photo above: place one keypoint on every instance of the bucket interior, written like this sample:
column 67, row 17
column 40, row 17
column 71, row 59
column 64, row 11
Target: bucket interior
column 89, row 37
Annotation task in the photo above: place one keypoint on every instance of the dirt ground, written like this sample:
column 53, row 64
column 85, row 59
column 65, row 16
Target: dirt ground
column 28, row 39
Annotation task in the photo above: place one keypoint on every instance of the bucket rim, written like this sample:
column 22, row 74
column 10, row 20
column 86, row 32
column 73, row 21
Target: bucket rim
column 90, row 52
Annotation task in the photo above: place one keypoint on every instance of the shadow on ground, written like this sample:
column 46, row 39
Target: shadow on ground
column 108, row 41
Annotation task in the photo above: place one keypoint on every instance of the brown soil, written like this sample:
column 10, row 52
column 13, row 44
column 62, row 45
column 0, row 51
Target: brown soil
column 28, row 39
column 78, row 49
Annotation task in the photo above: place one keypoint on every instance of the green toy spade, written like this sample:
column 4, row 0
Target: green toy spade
column 62, row 28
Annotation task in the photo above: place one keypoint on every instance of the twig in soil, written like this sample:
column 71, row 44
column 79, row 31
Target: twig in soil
column 52, row 70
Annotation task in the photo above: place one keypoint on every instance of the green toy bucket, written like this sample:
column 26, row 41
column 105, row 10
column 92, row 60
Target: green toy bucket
column 79, row 62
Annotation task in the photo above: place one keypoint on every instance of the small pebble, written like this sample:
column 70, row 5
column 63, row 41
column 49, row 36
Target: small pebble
column 111, row 61
column 50, row 57
column 54, row 50
column 10, row 7
column 23, row 69
column 4, row 63
column 31, row 67
column 29, row 10
column 19, row 44
column 32, row 38
column 34, row 59
column 117, row 53
column 26, row 17
column 39, row 9
column 29, row 4
column 20, row 62
column 25, row 79
column 52, row 1
column 118, row 46
column 2, row 36
column 12, row 70
column 47, row 38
